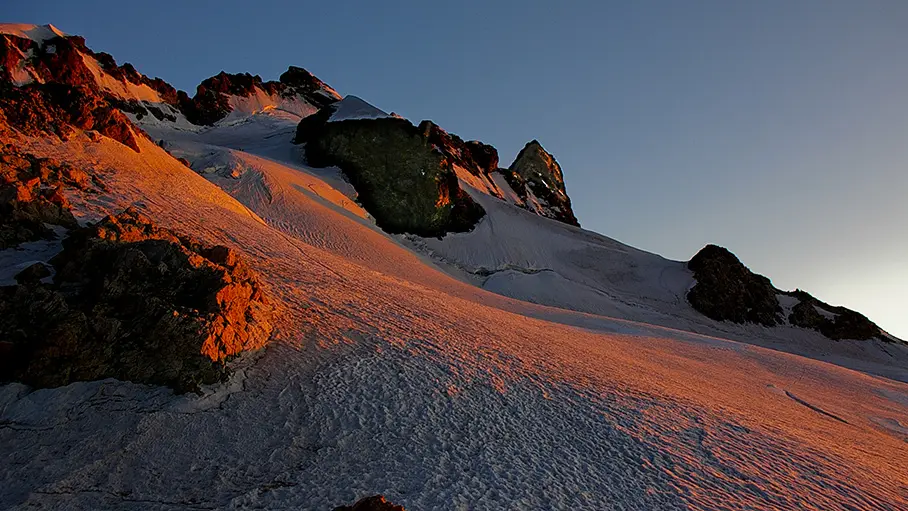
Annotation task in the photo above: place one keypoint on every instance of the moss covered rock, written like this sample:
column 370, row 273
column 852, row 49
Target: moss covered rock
column 402, row 181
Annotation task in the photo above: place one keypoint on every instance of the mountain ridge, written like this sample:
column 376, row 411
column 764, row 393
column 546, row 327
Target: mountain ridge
column 106, row 90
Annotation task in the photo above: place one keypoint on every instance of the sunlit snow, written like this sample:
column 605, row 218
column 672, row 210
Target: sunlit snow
column 395, row 372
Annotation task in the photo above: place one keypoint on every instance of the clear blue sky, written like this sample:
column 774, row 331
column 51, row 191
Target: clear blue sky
column 777, row 128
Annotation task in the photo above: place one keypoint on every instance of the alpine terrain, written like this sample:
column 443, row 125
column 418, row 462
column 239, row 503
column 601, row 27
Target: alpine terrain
column 267, row 294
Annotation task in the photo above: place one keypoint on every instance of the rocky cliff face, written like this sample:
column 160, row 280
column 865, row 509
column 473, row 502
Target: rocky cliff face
column 726, row 290
column 401, row 180
column 135, row 302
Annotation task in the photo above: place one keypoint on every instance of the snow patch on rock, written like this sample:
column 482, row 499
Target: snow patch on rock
column 352, row 107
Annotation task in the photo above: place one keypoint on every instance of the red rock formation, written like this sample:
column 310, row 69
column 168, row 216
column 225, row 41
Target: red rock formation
column 31, row 196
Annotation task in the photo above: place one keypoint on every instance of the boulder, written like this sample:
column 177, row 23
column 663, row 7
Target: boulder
column 135, row 302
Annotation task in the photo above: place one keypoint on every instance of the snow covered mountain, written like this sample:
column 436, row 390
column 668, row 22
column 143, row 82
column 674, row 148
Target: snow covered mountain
column 439, row 329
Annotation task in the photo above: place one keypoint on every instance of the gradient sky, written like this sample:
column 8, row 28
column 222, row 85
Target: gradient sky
column 778, row 129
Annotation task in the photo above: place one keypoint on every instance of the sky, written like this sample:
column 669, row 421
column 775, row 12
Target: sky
column 778, row 129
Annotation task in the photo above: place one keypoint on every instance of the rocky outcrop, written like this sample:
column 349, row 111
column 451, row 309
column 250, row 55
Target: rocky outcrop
column 401, row 179
column 727, row 291
column 538, row 171
column 135, row 302
column 211, row 101
column 374, row 503
column 535, row 176
column 483, row 155
column 62, row 94
column 31, row 196
column 62, row 64
column 296, row 81
column 128, row 73
column 477, row 158
column 56, row 109
column 833, row 322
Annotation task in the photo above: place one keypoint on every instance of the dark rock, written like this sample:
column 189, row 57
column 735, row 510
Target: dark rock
column 805, row 315
column 33, row 274
column 134, row 302
column 407, row 185
column 727, row 291
column 296, row 81
column 845, row 324
column 542, row 174
column 456, row 151
column 849, row 324
column 517, row 183
column 484, row 155
column 374, row 503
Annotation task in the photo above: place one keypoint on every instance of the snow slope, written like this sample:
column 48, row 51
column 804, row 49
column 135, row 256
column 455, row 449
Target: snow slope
column 392, row 373
column 512, row 252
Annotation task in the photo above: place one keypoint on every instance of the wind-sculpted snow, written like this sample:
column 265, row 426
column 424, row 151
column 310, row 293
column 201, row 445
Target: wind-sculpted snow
column 397, row 379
